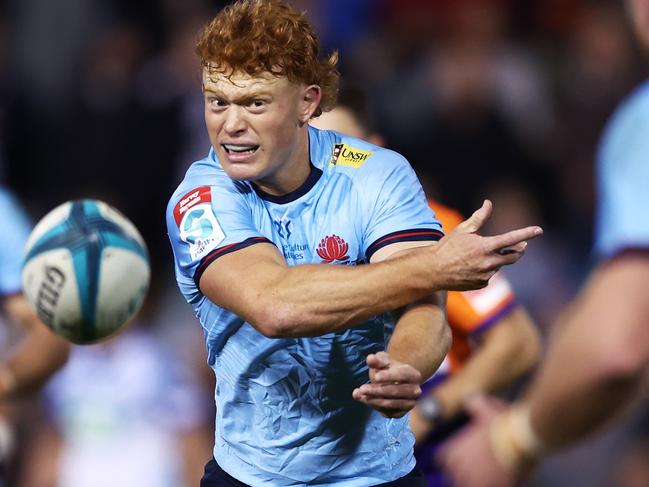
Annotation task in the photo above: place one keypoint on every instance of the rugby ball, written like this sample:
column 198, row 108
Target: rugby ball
column 85, row 270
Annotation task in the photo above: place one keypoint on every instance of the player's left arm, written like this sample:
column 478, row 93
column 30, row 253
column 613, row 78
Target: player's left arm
column 39, row 355
column 418, row 345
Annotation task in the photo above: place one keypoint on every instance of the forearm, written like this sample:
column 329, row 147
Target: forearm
column 422, row 336
column 507, row 351
column 594, row 365
column 570, row 399
column 256, row 284
column 311, row 300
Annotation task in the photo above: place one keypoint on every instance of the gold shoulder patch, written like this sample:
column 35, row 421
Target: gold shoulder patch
column 344, row 155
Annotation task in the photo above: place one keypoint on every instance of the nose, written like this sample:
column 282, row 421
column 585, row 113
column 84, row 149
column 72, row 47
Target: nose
column 235, row 122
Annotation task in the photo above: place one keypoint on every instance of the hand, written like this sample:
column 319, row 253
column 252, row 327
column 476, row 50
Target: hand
column 468, row 458
column 465, row 260
column 394, row 386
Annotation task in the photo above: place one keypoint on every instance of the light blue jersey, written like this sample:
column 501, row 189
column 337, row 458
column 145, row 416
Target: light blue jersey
column 285, row 413
column 17, row 228
column 623, row 177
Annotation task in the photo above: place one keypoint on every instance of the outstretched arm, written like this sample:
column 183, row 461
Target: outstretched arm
column 283, row 301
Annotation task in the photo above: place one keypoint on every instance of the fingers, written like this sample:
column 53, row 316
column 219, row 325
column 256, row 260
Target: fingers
column 402, row 373
column 389, row 391
column 513, row 240
column 519, row 248
column 380, row 360
column 391, row 408
column 392, row 401
column 475, row 221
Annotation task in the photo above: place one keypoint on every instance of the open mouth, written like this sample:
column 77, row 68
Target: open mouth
column 239, row 149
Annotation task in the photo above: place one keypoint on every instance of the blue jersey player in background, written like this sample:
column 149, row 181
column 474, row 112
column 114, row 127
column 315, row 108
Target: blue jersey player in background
column 598, row 362
column 27, row 360
column 25, row 365
column 308, row 258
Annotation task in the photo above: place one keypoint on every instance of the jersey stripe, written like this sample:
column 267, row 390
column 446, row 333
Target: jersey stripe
column 221, row 251
column 411, row 235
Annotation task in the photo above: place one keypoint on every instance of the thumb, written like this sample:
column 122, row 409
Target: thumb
column 379, row 360
column 479, row 217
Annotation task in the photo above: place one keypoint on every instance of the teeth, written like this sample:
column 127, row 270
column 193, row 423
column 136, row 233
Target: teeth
column 240, row 148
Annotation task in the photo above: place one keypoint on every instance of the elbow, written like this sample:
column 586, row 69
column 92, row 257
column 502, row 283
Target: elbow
column 620, row 362
column 446, row 339
column 276, row 321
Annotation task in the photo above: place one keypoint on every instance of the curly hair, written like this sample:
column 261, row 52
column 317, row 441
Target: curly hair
column 268, row 36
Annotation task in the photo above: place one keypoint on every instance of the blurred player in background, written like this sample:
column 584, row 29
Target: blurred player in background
column 31, row 353
column 144, row 424
column 41, row 352
column 598, row 360
column 293, row 344
column 494, row 340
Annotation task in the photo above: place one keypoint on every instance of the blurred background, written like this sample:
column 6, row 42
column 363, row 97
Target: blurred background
column 502, row 99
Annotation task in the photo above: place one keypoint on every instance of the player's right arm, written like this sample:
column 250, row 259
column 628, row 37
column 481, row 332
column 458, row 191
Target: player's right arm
column 281, row 301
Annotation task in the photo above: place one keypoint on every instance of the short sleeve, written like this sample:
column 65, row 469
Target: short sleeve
column 623, row 179
column 207, row 222
column 396, row 204
column 17, row 227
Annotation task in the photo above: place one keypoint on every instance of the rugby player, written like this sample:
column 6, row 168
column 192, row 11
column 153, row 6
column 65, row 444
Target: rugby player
column 291, row 244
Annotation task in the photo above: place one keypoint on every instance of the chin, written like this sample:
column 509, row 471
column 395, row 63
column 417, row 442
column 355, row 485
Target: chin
column 242, row 172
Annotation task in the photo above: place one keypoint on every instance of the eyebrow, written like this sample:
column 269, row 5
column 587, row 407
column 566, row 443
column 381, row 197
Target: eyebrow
column 240, row 99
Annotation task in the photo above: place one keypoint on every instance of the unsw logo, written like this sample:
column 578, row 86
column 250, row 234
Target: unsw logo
column 332, row 248
column 344, row 155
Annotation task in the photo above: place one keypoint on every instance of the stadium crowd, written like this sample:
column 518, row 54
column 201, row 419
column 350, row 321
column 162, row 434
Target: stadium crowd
column 493, row 99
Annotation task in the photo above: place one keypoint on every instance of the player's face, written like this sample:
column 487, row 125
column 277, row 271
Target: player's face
column 257, row 126
column 639, row 10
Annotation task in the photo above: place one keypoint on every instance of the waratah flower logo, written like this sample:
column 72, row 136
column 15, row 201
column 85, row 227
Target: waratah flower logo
column 331, row 248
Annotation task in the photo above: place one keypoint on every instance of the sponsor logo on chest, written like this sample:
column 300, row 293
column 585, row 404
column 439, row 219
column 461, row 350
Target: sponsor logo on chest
column 344, row 155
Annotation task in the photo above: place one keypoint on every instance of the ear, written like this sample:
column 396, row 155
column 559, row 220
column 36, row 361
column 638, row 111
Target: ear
column 311, row 97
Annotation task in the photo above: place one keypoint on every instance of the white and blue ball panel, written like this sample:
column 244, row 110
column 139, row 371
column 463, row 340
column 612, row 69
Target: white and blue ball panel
column 85, row 254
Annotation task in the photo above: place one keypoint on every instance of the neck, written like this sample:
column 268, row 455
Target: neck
column 293, row 173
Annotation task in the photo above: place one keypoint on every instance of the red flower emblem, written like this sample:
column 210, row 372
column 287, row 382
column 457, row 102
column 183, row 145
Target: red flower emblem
column 331, row 248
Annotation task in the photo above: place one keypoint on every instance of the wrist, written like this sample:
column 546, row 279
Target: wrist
column 514, row 442
column 430, row 409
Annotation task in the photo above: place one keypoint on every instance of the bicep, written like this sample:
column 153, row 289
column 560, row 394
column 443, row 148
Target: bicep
column 242, row 281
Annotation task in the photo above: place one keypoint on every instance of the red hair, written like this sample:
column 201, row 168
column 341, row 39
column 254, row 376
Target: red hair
column 268, row 36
